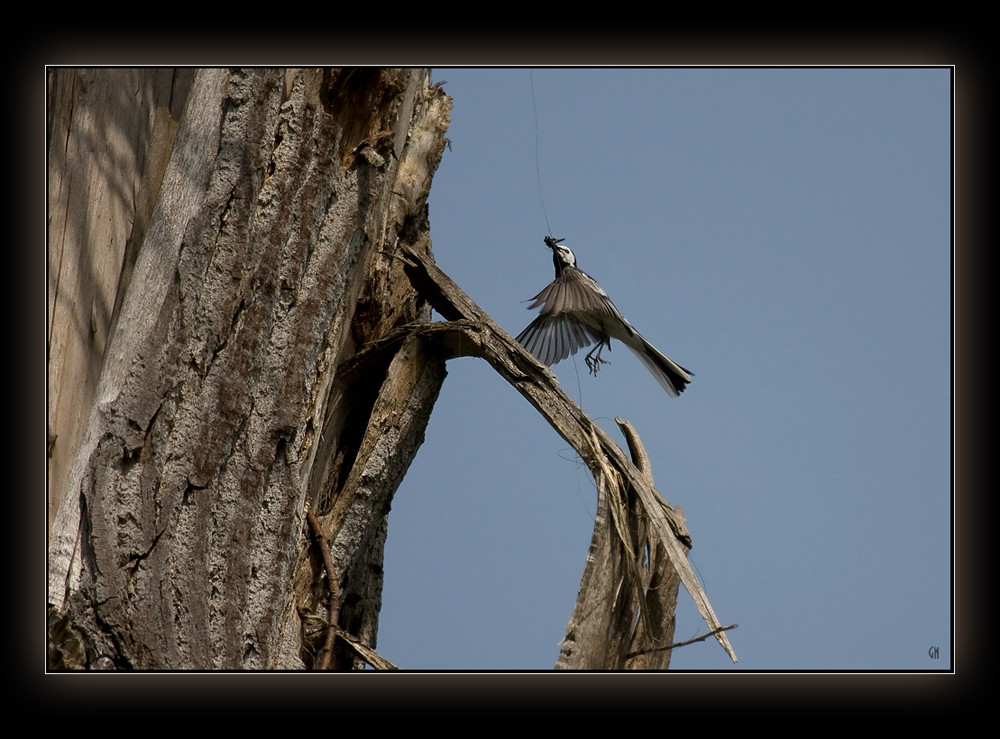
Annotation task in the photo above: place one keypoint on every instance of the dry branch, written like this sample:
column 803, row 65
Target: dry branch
column 469, row 331
column 697, row 639
column 366, row 653
column 333, row 583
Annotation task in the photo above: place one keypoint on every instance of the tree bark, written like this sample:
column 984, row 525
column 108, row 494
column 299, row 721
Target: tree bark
column 239, row 345
column 221, row 245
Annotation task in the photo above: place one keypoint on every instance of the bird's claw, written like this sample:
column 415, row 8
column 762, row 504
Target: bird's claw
column 594, row 363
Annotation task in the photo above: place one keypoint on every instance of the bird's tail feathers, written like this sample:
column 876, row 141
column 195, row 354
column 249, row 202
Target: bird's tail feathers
column 671, row 376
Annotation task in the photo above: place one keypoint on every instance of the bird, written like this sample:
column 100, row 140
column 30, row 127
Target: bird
column 576, row 312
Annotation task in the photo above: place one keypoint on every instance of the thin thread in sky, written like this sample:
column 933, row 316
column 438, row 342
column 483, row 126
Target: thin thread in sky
column 541, row 199
column 538, row 171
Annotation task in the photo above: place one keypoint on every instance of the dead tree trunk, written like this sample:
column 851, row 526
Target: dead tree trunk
column 239, row 344
column 220, row 245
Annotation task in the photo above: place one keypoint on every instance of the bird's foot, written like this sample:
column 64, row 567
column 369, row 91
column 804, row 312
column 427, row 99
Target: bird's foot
column 594, row 363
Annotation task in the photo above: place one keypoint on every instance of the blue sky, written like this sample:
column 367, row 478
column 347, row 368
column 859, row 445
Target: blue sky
column 783, row 233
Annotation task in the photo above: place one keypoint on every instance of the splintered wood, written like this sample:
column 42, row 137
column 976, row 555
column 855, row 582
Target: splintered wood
column 647, row 527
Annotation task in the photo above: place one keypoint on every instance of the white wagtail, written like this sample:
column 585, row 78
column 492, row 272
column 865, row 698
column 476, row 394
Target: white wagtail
column 576, row 312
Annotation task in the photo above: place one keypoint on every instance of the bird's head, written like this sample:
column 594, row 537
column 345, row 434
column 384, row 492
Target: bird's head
column 562, row 256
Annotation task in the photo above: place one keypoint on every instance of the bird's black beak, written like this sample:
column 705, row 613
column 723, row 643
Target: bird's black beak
column 551, row 242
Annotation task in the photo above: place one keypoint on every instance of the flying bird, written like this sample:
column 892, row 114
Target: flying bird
column 576, row 312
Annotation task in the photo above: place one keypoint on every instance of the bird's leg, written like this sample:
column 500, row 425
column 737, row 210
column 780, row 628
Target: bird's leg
column 594, row 362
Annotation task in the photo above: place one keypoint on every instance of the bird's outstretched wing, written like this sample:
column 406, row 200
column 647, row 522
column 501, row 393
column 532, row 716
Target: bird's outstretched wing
column 574, row 314
column 576, row 292
column 552, row 338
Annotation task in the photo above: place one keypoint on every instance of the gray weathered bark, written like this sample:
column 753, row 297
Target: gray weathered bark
column 220, row 246
column 239, row 341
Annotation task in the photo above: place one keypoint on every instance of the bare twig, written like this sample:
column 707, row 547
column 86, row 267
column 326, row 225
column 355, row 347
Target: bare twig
column 703, row 637
column 326, row 653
